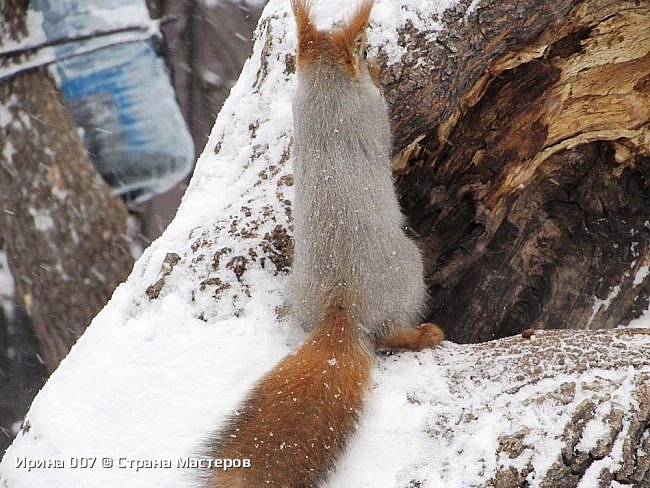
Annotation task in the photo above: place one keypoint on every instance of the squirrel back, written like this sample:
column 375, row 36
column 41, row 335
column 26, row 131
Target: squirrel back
column 350, row 249
column 355, row 275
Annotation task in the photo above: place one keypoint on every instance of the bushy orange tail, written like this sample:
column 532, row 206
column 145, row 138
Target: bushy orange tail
column 298, row 418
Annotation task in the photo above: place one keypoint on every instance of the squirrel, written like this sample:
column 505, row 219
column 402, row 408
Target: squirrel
column 357, row 280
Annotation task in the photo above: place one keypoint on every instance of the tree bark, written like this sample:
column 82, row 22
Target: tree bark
column 523, row 160
column 63, row 231
column 594, row 390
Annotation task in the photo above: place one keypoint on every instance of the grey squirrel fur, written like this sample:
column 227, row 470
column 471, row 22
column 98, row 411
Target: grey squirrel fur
column 351, row 250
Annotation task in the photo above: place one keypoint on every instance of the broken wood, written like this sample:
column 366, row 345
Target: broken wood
column 527, row 149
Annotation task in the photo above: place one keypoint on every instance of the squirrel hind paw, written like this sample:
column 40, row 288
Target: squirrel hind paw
column 430, row 335
column 412, row 338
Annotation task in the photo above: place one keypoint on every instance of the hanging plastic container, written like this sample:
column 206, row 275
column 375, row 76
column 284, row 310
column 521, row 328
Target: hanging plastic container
column 119, row 93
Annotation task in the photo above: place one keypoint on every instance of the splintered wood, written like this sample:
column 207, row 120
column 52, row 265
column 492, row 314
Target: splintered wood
column 530, row 188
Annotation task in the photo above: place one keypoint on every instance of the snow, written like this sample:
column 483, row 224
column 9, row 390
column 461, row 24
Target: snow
column 47, row 55
column 7, row 287
column 603, row 304
column 135, row 13
column 118, row 19
column 641, row 275
column 42, row 219
column 642, row 321
column 472, row 7
column 591, row 476
column 34, row 25
column 152, row 377
column 6, row 117
column 211, row 77
column 8, row 151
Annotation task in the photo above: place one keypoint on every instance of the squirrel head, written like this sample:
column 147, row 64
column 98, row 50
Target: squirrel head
column 344, row 46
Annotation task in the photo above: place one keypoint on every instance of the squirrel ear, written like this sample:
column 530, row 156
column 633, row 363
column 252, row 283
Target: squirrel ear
column 307, row 32
column 357, row 25
column 350, row 40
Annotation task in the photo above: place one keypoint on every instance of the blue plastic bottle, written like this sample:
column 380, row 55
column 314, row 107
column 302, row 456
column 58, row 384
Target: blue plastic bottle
column 119, row 93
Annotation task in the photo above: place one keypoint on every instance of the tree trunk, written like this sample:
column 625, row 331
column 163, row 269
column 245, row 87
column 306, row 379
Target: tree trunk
column 593, row 390
column 523, row 158
column 63, row 231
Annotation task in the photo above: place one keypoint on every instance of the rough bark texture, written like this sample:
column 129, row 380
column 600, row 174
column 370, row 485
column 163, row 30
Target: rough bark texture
column 523, row 158
column 63, row 231
column 590, row 395
column 523, row 155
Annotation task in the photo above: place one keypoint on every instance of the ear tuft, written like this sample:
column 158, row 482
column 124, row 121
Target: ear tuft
column 359, row 21
column 348, row 42
column 307, row 33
